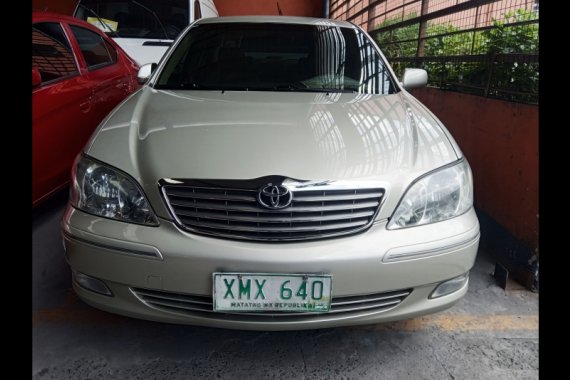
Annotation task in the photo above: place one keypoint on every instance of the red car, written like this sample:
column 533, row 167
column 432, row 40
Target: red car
column 78, row 76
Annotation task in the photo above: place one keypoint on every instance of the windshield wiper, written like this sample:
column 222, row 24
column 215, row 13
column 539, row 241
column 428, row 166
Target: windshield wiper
column 311, row 89
column 301, row 87
column 155, row 16
column 179, row 86
column 280, row 87
column 290, row 86
column 341, row 90
column 98, row 18
column 197, row 86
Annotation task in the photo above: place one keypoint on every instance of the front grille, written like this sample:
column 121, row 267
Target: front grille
column 237, row 213
column 202, row 306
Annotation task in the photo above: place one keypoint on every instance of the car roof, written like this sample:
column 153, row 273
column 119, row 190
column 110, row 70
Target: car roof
column 44, row 16
column 275, row 20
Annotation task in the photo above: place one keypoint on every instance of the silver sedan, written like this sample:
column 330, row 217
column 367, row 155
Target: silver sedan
column 272, row 174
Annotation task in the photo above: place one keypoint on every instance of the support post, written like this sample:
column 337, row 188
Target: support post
column 423, row 30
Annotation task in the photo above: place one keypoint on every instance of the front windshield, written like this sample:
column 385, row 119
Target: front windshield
column 276, row 57
column 149, row 19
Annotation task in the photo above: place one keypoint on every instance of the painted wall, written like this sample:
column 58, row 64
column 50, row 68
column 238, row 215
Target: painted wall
column 60, row 6
column 500, row 141
column 311, row 8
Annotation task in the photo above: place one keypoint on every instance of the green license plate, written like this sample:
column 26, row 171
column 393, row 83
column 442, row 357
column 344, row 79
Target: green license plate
column 253, row 292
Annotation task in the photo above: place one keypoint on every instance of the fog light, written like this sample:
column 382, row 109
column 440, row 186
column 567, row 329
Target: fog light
column 450, row 286
column 91, row 283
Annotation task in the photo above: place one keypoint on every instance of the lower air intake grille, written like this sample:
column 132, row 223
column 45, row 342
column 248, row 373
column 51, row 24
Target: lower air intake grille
column 202, row 306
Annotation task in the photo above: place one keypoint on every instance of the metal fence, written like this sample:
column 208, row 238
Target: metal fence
column 483, row 47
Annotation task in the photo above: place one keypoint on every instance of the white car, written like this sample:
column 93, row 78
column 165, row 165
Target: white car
column 144, row 28
column 272, row 174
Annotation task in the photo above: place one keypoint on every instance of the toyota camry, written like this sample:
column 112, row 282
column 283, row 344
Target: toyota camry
column 272, row 173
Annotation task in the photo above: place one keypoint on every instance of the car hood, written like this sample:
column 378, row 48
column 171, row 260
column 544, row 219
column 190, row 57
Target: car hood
column 158, row 134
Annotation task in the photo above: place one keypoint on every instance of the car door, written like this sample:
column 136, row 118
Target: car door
column 107, row 72
column 61, row 104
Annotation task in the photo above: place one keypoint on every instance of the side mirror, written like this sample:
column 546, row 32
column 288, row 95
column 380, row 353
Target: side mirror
column 145, row 72
column 36, row 77
column 414, row 78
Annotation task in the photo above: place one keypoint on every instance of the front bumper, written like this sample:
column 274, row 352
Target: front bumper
column 166, row 259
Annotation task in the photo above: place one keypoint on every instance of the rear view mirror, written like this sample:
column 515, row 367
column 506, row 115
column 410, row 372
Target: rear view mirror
column 414, row 78
column 145, row 72
column 36, row 77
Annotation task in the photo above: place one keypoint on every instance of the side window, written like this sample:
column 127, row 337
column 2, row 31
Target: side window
column 96, row 51
column 112, row 51
column 51, row 53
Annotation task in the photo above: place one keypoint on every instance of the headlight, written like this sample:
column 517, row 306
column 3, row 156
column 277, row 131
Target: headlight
column 103, row 191
column 440, row 195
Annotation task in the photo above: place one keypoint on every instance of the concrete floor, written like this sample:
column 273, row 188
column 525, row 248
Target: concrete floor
column 490, row 334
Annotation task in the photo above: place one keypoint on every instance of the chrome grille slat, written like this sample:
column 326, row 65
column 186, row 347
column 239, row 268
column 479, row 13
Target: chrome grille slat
column 351, row 197
column 346, row 308
column 176, row 297
column 203, row 306
column 359, row 299
column 283, row 210
column 315, row 212
column 262, row 219
column 214, row 197
column 178, row 305
column 285, row 229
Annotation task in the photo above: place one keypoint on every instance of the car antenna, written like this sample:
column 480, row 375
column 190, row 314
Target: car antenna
column 279, row 9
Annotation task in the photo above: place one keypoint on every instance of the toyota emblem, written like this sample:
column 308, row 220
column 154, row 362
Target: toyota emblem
column 274, row 196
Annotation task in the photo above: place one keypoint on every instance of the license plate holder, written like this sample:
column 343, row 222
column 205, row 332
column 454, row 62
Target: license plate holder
column 271, row 292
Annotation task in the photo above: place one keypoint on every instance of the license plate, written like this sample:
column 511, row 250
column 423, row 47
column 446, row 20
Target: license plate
column 253, row 292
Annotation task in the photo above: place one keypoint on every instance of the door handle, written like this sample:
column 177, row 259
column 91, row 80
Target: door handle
column 157, row 43
column 85, row 106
